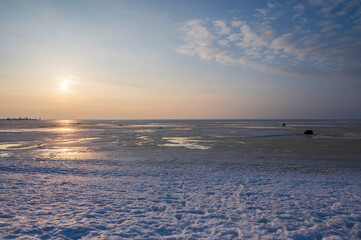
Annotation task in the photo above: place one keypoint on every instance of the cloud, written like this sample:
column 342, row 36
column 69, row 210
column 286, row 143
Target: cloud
column 271, row 12
column 316, row 2
column 221, row 27
column 250, row 38
column 331, row 27
column 326, row 49
column 284, row 44
column 299, row 8
column 198, row 39
column 236, row 23
column 269, row 57
column 234, row 37
column 329, row 6
column 223, row 42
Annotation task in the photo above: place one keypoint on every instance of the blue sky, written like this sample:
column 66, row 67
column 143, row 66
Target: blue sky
column 181, row 59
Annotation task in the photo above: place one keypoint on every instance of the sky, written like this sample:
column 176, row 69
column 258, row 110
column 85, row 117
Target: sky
column 180, row 59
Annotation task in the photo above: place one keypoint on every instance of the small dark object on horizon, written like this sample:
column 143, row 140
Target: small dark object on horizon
column 160, row 127
column 308, row 132
column 284, row 124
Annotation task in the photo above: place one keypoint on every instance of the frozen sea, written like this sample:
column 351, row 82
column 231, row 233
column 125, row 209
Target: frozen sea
column 180, row 179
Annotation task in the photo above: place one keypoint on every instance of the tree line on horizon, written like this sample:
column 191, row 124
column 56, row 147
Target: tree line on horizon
column 20, row 118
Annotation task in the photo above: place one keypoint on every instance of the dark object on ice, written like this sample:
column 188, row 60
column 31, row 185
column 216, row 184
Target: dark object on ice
column 78, row 123
column 284, row 124
column 308, row 132
column 120, row 124
column 160, row 127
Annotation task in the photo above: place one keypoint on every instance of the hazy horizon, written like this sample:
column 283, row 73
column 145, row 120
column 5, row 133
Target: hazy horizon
column 150, row 119
column 136, row 60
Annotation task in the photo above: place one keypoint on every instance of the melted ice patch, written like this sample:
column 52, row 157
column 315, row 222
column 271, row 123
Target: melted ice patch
column 144, row 140
column 145, row 131
column 181, row 129
column 183, row 142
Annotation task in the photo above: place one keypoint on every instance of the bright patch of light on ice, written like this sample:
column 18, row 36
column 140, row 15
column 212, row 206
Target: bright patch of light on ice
column 183, row 142
column 145, row 131
column 65, row 121
column 66, row 153
column 143, row 140
column 16, row 146
column 9, row 145
column 5, row 154
column 64, row 129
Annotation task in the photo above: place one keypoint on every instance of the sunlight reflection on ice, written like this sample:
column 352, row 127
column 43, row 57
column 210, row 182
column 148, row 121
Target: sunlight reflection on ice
column 64, row 129
column 9, row 145
column 144, row 140
column 5, row 154
column 15, row 146
column 145, row 131
column 67, row 153
column 183, row 142
column 66, row 144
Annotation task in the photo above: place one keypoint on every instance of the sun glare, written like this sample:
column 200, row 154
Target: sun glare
column 64, row 85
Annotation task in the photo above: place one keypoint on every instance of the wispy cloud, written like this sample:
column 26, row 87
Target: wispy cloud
column 299, row 8
column 270, row 12
column 326, row 49
column 221, row 27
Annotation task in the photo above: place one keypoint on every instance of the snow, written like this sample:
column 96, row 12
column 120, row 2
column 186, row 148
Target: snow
column 126, row 185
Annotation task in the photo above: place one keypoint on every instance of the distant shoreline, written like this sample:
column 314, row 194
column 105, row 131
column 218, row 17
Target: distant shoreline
column 20, row 119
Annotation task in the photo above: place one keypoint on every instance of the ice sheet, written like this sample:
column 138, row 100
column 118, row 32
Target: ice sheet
column 219, row 180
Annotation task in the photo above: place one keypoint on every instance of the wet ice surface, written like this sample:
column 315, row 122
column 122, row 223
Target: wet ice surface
column 180, row 180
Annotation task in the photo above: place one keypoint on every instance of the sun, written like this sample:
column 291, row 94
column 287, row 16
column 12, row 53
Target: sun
column 64, row 85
